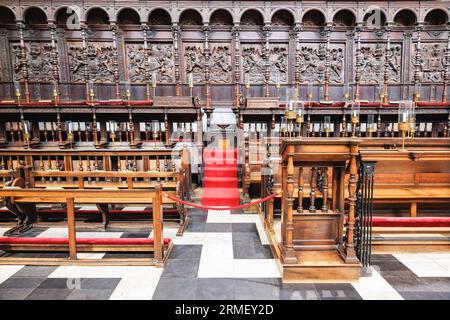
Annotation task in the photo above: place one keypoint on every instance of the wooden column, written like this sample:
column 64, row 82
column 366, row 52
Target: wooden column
column 206, row 52
column 357, row 62
column 266, row 30
column 83, row 28
column 447, row 68
column 176, row 40
column 297, row 74
column 353, row 171
column 54, row 55
column 23, row 61
column 326, row 94
column 71, row 227
column 300, row 190
column 236, row 30
column 158, row 225
column 115, row 62
column 290, row 256
column 145, row 29
column 387, row 53
column 418, row 56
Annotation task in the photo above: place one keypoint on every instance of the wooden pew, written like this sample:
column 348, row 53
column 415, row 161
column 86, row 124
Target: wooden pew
column 158, row 246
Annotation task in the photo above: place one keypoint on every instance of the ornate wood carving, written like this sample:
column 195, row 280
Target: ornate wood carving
column 38, row 59
column 220, row 64
column 160, row 60
column 373, row 63
column 98, row 62
column 278, row 62
column 313, row 62
column 431, row 62
column 253, row 62
column 195, row 61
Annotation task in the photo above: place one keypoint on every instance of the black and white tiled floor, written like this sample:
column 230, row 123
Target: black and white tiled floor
column 222, row 255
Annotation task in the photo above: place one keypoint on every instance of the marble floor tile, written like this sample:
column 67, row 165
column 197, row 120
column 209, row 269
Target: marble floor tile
column 7, row 271
column 376, row 287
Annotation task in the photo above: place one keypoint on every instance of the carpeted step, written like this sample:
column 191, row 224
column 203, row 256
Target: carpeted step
column 229, row 153
column 220, row 182
column 220, row 197
column 417, row 222
column 220, row 172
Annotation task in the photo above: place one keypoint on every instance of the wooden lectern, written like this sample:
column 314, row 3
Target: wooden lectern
column 317, row 236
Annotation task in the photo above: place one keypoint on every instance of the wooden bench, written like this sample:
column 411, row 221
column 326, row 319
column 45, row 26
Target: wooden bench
column 171, row 182
column 159, row 246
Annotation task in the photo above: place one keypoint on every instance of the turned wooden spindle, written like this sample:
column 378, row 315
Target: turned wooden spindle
column 312, row 192
column 289, row 237
column 300, row 190
column 325, row 189
column 80, row 164
column 166, row 166
column 158, row 168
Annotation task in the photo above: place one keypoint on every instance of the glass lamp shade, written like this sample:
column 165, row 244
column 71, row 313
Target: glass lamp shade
column 355, row 112
column 405, row 112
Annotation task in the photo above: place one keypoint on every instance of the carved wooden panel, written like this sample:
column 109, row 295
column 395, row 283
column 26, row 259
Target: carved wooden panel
column 253, row 62
column 313, row 59
column 38, row 57
column 220, row 63
column 99, row 61
column 431, row 62
column 279, row 61
column 373, row 60
column 194, row 61
column 160, row 60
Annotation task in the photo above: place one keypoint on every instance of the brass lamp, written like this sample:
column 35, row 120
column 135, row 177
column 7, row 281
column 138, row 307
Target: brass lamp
column 155, row 130
column 417, row 90
column 277, row 85
column 405, row 119
column 346, row 93
column 26, row 128
column 128, row 92
column 55, row 93
column 309, row 92
column 69, row 127
column 354, row 116
column 381, row 93
column 283, row 128
column 17, row 91
column 327, row 126
column 370, row 126
column 91, row 91
column 154, row 83
column 290, row 108
column 300, row 116
column 191, row 83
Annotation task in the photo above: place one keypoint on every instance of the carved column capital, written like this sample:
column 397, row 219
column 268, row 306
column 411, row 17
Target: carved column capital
column 236, row 29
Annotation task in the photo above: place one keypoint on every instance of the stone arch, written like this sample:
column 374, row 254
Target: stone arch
column 159, row 16
column 34, row 15
column 405, row 17
column 214, row 14
column 7, row 16
column 258, row 19
column 288, row 19
column 436, row 17
column 190, row 16
column 128, row 16
column 309, row 19
column 344, row 17
column 103, row 16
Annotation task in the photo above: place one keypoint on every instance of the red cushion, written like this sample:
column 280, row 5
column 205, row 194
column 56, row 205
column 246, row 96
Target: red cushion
column 105, row 241
column 411, row 222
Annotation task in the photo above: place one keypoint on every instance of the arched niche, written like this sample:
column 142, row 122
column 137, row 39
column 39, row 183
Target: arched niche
column 190, row 17
column 313, row 18
column 436, row 17
column 374, row 17
column 283, row 17
column 66, row 16
column 97, row 17
column 159, row 17
column 34, row 16
column 344, row 18
column 7, row 16
column 405, row 17
column 128, row 16
column 252, row 17
column 221, row 17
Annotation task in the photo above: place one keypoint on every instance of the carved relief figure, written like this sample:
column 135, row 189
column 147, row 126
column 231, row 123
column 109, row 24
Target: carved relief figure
column 159, row 61
column 99, row 62
column 253, row 63
column 431, row 62
column 38, row 60
column 220, row 64
column 195, row 61
column 373, row 63
column 278, row 58
column 313, row 59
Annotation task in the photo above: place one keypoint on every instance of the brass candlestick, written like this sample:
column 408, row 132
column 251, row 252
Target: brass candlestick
column 404, row 128
column 354, row 121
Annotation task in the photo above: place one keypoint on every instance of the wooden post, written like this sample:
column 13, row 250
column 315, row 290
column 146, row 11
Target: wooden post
column 300, row 190
column 71, row 226
column 325, row 190
column 266, row 30
column 353, row 170
column 290, row 256
column 312, row 192
column 358, row 62
column 158, row 225
column 176, row 34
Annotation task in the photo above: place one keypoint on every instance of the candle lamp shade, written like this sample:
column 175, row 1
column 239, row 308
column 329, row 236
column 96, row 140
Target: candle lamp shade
column 154, row 79
column 381, row 93
column 69, row 130
column 347, row 92
column 417, row 91
column 327, row 125
column 371, row 126
column 300, row 111
column 405, row 112
column 91, row 85
column 355, row 112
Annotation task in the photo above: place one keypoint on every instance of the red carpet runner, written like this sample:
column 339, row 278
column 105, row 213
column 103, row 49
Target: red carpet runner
column 220, row 178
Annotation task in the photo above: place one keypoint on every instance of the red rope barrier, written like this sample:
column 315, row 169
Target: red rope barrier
column 242, row 206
